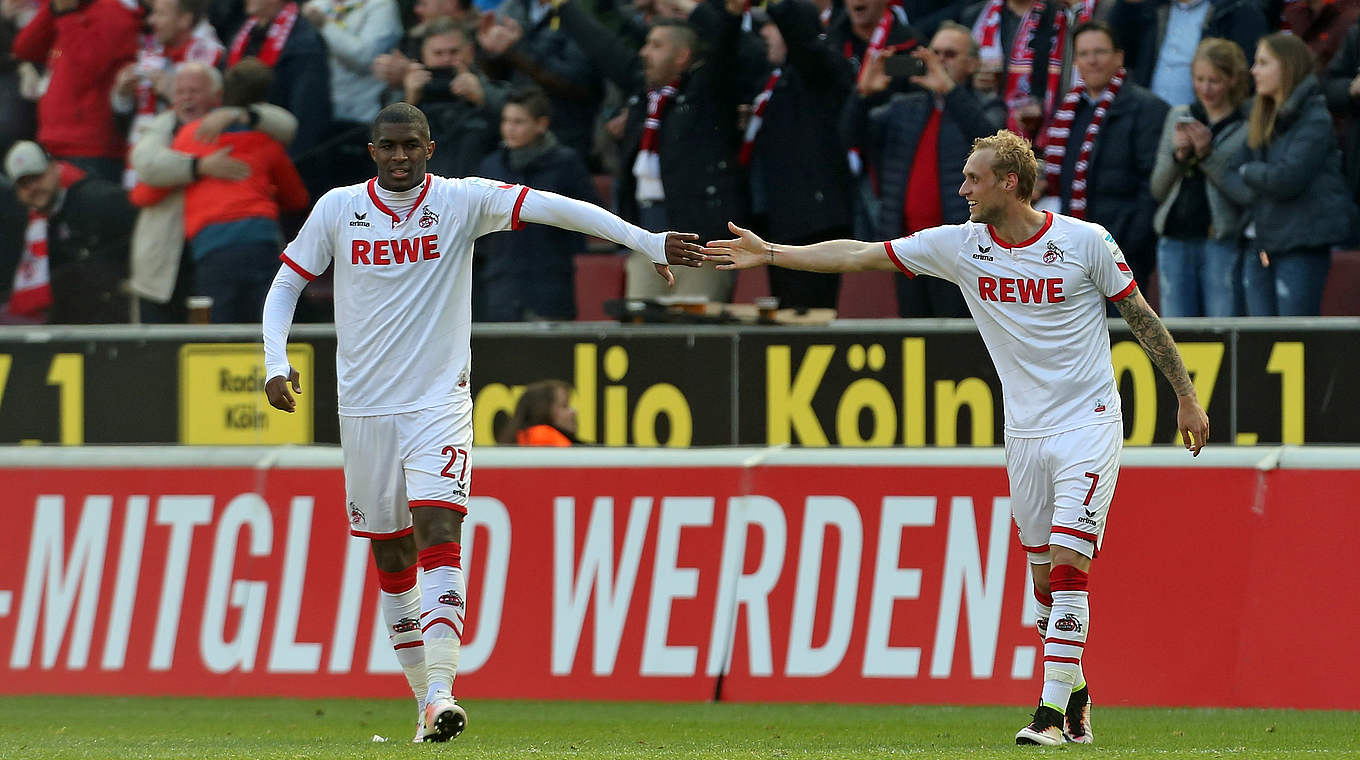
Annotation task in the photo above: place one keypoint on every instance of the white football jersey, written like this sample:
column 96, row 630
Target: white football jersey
column 1040, row 307
column 403, row 287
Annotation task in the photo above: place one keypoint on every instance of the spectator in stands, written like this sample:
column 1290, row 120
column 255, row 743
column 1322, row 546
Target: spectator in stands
column 179, row 33
column 232, row 225
column 76, row 244
column 523, row 44
column 1102, row 145
column 800, row 182
column 869, row 27
column 161, row 267
column 528, row 274
column 1161, row 37
column 276, row 33
column 1322, row 24
column 543, row 416
column 1199, row 254
column 1013, row 35
column 391, row 67
column 462, row 105
column 1292, row 173
column 916, row 142
column 17, row 121
column 83, row 44
column 679, row 167
column 356, row 32
column 1342, row 87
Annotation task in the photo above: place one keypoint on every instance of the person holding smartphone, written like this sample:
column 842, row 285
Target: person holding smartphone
column 1199, row 221
column 915, row 141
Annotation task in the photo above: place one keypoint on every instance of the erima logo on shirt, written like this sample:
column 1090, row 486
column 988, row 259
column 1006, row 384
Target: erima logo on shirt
column 359, row 220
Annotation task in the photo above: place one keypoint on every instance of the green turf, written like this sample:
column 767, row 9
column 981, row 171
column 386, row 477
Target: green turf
column 56, row 728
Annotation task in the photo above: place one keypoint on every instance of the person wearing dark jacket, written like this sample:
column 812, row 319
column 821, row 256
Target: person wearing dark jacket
column 800, row 181
column 522, row 43
column 529, row 274
column 462, row 105
column 1342, row 88
column 276, row 32
column 79, row 226
column 678, row 167
column 916, row 142
column 1153, row 31
column 1101, row 146
column 1292, row 168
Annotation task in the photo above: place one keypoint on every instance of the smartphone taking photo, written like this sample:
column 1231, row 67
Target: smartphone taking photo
column 903, row 66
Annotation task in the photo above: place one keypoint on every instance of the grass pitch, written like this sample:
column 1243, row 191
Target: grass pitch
column 118, row 728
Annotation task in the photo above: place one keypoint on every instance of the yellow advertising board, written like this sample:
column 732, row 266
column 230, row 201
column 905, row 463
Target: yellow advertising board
column 221, row 396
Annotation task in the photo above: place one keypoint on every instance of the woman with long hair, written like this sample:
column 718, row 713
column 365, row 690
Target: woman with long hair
column 543, row 416
column 1199, row 254
column 1292, row 169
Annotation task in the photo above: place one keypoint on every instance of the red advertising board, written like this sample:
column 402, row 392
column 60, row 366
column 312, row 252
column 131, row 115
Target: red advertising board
column 1217, row 585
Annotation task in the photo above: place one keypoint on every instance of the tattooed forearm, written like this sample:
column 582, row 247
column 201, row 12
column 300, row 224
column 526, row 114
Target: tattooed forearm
column 1150, row 331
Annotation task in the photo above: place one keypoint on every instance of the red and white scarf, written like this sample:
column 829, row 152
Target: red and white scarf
column 647, row 165
column 1060, row 130
column 987, row 31
column 32, row 291
column 279, row 29
column 878, row 41
column 762, row 100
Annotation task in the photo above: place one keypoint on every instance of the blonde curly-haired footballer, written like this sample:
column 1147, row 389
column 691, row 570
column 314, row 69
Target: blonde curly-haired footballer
column 1039, row 304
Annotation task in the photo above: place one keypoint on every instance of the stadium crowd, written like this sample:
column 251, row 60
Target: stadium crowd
column 168, row 149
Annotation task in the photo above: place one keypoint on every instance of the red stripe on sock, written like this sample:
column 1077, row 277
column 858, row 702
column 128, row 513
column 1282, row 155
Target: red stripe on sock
column 1070, row 660
column 1065, row 642
column 409, row 644
column 437, row 621
column 1042, row 598
column 399, row 582
column 1066, row 578
column 441, row 555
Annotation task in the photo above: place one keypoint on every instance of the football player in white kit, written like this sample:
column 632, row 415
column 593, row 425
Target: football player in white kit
column 402, row 246
column 1036, row 284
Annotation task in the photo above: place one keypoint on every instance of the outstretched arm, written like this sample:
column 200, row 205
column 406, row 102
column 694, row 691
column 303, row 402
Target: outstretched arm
column 748, row 250
column 663, row 248
column 1152, row 334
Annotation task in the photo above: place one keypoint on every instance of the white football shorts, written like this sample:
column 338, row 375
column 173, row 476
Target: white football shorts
column 394, row 462
column 1062, row 486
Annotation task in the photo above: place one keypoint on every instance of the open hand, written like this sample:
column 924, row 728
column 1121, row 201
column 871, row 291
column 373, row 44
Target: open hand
column 496, row 34
column 682, row 249
column 873, row 79
column 745, row 251
column 220, row 165
column 276, row 390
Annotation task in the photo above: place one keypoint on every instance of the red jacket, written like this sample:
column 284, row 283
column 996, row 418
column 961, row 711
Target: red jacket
column 84, row 49
column 273, row 182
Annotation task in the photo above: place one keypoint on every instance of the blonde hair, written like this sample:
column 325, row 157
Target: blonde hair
column 1228, row 58
column 1011, row 154
column 1296, row 63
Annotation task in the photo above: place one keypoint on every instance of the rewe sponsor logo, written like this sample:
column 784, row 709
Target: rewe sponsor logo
column 1021, row 289
column 398, row 251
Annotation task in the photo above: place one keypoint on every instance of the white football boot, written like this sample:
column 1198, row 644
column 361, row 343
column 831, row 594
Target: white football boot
column 444, row 720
